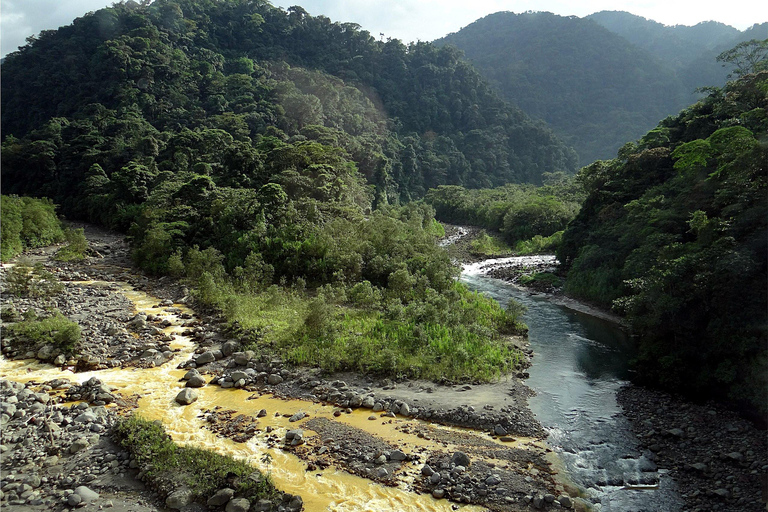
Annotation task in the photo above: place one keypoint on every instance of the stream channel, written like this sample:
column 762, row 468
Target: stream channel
column 580, row 362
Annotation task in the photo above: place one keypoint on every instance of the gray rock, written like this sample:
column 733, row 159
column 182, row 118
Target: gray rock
column 78, row 445
column 565, row 501
column 229, row 348
column 205, row 358
column 438, row 494
column 298, row 416
column 435, row 478
column 196, row 381
column 242, row 358
column 238, row 375
column 238, row 505
column 73, row 500
column 500, row 430
column 460, row 459
column 493, row 480
column 179, row 499
column 186, row 396
column 368, row 402
column 191, row 373
column 382, row 473
column 427, row 470
column 397, row 456
column 405, row 410
column 221, row 497
column 86, row 494
column 274, row 379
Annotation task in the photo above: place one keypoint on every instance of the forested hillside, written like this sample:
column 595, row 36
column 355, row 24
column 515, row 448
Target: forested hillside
column 255, row 154
column 691, row 51
column 598, row 81
column 410, row 117
column 673, row 234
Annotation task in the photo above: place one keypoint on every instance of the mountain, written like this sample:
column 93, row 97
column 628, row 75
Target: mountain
column 410, row 117
column 691, row 50
column 593, row 87
column 598, row 81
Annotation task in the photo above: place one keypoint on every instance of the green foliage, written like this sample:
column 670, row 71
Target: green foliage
column 27, row 223
column 673, row 236
column 76, row 248
column 518, row 212
column 540, row 244
column 746, row 57
column 488, row 246
column 555, row 68
column 99, row 130
column 55, row 330
column 203, row 471
column 25, row 279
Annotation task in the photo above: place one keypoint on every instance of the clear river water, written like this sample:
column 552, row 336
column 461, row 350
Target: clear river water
column 580, row 362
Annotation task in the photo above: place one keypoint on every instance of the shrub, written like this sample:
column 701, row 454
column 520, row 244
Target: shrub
column 76, row 248
column 54, row 330
column 27, row 223
column 26, row 279
column 203, row 471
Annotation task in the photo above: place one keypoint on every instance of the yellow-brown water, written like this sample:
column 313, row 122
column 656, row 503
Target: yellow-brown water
column 329, row 489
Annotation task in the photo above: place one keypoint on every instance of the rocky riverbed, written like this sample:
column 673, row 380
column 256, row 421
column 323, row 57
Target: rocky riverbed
column 718, row 459
column 115, row 335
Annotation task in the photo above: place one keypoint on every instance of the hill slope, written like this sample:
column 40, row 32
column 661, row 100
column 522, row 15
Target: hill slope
column 598, row 81
column 410, row 117
column 672, row 233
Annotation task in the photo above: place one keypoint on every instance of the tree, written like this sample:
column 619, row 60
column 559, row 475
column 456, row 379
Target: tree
column 746, row 57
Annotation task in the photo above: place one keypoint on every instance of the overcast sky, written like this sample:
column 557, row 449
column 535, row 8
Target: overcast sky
column 409, row 20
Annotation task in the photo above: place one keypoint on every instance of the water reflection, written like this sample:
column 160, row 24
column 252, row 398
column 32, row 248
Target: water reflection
column 580, row 363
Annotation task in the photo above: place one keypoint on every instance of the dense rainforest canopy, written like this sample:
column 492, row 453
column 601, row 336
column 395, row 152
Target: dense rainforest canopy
column 673, row 234
column 598, row 81
column 140, row 82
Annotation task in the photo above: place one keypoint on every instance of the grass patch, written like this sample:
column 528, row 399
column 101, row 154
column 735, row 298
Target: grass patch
column 541, row 280
column 540, row 244
column 169, row 465
column 488, row 246
column 422, row 340
column 54, row 330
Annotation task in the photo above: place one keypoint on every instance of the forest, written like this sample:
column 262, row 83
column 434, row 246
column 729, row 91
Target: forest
column 265, row 157
column 672, row 235
column 601, row 80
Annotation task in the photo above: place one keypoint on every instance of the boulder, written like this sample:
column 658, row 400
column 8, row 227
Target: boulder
column 460, row 459
column 222, row 497
column 238, row 505
column 179, row 499
column 86, row 494
column 186, row 396
column 205, row 358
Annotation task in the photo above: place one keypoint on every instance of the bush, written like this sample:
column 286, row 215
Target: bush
column 26, row 279
column 54, row 330
column 27, row 223
column 203, row 471
column 76, row 248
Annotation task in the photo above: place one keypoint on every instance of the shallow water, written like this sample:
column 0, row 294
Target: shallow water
column 580, row 362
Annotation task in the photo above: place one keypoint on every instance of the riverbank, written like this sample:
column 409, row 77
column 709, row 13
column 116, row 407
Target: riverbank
column 718, row 459
column 495, row 412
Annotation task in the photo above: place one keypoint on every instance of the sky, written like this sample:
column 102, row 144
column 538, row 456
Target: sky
column 409, row 20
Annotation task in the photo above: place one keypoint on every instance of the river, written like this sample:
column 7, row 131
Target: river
column 580, row 362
